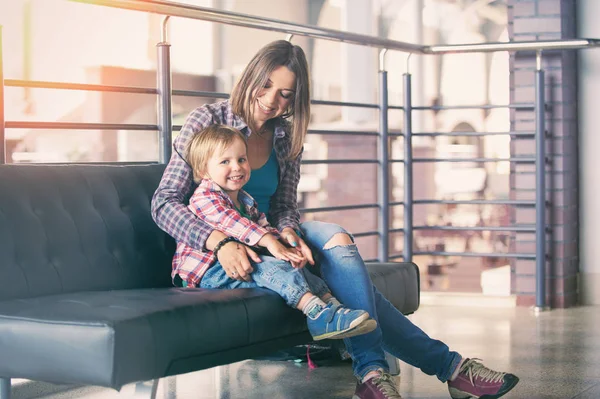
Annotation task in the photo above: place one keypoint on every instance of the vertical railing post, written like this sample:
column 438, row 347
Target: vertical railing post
column 4, row 388
column 2, row 130
column 384, row 168
column 540, row 184
column 163, row 84
column 408, row 171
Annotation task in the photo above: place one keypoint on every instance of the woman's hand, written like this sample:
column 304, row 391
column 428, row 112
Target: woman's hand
column 289, row 236
column 234, row 258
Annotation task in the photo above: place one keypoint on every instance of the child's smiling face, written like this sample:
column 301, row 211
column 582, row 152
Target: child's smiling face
column 229, row 167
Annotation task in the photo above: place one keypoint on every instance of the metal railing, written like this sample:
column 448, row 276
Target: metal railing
column 164, row 93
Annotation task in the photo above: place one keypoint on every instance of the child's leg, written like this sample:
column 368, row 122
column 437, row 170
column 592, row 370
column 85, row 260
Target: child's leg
column 319, row 287
column 216, row 278
column 325, row 321
column 279, row 276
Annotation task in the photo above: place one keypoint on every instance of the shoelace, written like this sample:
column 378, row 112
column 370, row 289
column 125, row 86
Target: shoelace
column 387, row 386
column 475, row 369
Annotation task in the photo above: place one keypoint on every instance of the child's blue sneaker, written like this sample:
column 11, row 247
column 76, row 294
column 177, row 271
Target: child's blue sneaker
column 337, row 322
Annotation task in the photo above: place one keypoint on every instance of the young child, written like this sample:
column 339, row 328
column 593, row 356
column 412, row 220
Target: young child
column 217, row 156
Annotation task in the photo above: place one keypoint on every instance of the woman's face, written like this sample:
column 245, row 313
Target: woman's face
column 274, row 99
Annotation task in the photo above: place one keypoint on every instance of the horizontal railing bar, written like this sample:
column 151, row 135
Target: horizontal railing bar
column 475, row 202
column 337, row 208
column 337, row 161
column 251, row 21
column 193, row 93
column 339, row 132
column 372, row 260
column 522, row 106
column 570, row 44
column 148, row 90
column 38, row 84
column 77, row 126
column 478, row 160
column 108, row 88
column 397, row 256
column 475, row 160
column 344, row 104
column 365, row 234
column 475, row 134
column 257, row 22
column 398, row 230
column 516, row 229
column 396, row 203
column 477, row 254
column 112, row 163
column 457, row 107
column 398, row 107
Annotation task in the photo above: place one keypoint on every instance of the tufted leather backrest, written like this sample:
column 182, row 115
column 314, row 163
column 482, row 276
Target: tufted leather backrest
column 67, row 228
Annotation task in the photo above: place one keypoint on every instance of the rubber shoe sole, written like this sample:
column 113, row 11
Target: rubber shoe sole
column 361, row 325
column 364, row 328
column 456, row 394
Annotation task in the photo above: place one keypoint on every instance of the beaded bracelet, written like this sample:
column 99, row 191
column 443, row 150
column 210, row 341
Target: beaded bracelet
column 221, row 243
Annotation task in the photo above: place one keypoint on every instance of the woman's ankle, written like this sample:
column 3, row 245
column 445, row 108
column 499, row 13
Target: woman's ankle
column 372, row 374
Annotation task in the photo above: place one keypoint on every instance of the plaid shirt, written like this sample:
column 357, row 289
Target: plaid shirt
column 215, row 208
column 169, row 203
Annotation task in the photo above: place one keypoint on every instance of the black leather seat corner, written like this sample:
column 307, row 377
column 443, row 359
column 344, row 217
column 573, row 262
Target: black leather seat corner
column 85, row 289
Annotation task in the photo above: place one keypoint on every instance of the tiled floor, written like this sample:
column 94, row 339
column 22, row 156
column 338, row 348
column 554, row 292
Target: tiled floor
column 556, row 355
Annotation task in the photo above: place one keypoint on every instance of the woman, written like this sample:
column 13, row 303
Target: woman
column 270, row 104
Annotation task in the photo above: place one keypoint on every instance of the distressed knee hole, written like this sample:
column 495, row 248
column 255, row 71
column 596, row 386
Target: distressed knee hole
column 338, row 239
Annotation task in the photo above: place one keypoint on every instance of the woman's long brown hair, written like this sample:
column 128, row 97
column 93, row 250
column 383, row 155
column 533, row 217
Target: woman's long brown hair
column 255, row 77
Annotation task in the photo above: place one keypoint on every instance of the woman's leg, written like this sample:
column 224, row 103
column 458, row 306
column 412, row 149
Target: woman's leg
column 412, row 345
column 345, row 273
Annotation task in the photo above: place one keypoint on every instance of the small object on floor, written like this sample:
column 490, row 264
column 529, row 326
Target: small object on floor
column 311, row 365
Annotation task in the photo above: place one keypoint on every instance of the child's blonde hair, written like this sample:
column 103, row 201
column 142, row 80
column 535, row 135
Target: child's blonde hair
column 204, row 144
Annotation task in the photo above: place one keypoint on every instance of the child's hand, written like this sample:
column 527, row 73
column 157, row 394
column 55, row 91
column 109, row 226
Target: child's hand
column 297, row 265
column 280, row 251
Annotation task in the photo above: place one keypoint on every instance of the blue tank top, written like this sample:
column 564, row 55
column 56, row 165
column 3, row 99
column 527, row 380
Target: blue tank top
column 263, row 183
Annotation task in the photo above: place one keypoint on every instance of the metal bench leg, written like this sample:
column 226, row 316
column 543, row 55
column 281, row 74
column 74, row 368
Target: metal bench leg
column 393, row 363
column 170, row 387
column 218, row 382
column 4, row 388
column 145, row 389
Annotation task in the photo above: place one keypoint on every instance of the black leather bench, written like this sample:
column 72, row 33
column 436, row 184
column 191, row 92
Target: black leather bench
column 86, row 295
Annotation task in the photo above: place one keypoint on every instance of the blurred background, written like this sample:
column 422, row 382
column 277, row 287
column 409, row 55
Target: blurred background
column 61, row 41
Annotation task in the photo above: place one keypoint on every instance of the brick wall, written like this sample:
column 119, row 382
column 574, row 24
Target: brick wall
column 546, row 20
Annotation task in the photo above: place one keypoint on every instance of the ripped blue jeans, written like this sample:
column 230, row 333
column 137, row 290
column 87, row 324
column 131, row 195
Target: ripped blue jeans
column 345, row 274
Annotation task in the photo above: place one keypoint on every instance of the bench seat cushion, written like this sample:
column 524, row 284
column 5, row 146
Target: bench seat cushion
column 111, row 338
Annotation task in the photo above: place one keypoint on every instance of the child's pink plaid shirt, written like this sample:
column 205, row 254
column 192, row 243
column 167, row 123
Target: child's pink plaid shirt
column 211, row 204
